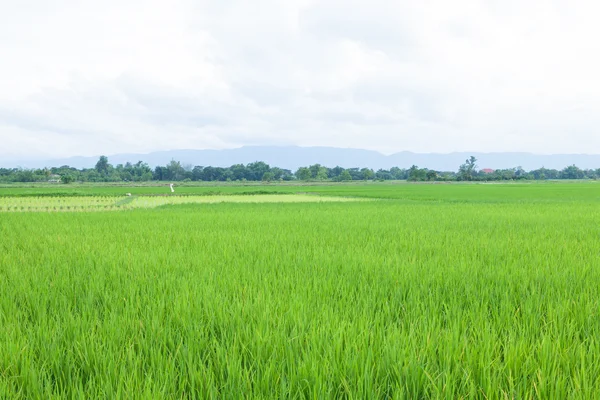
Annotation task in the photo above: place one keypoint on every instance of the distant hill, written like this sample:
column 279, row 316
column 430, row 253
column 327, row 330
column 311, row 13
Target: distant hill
column 292, row 157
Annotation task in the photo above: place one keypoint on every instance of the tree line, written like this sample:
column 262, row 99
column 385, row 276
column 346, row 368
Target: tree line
column 261, row 171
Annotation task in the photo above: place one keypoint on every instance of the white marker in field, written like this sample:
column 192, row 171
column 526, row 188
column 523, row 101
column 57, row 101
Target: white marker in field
column 171, row 186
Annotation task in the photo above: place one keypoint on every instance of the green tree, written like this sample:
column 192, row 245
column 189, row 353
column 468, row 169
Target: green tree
column 175, row 170
column 268, row 176
column 398, row 173
column 571, row 172
column 345, row 176
column 322, row 174
column 198, row 173
column 102, row 166
column 367, row 173
column 67, row 178
column 303, row 174
column 318, row 172
column 256, row 170
column 238, row 172
column 467, row 171
column 335, row 172
column 416, row 174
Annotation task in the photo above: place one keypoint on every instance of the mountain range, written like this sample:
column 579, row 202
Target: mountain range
column 292, row 157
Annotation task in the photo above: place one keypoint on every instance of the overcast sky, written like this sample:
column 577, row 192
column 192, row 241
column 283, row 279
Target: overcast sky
column 104, row 77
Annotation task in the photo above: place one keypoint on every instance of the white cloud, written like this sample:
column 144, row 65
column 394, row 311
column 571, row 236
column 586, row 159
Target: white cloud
column 83, row 77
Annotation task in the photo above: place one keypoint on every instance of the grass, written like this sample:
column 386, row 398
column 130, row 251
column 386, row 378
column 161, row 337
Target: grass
column 147, row 188
column 443, row 291
column 548, row 191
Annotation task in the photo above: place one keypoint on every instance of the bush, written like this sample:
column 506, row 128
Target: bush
column 66, row 179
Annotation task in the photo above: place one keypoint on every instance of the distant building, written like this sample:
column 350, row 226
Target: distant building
column 54, row 179
column 487, row 171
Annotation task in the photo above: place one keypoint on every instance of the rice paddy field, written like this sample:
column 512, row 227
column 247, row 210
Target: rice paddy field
column 384, row 291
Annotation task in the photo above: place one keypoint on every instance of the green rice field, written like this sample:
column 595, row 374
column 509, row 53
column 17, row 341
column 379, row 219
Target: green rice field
column 351, row 291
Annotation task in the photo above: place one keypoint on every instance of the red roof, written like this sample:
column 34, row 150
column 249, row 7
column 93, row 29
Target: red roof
column 487, row 170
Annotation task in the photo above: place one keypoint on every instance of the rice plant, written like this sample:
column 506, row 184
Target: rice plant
column 428, row 294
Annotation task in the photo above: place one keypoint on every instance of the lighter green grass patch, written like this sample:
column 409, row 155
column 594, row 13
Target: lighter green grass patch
column 79, row 204
column 57, row 204
column 151, row 202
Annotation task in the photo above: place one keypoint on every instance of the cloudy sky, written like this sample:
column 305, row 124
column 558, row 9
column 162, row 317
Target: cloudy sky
column 103, row 77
